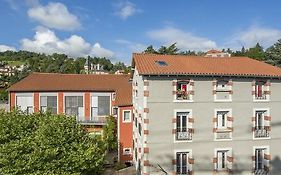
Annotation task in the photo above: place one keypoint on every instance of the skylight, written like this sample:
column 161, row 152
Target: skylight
column 161, row 63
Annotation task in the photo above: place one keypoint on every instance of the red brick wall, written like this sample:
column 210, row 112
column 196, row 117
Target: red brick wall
column 36, row 101
column 87, row 105
column 60, row 102
column 12, row 100
column 125, row 135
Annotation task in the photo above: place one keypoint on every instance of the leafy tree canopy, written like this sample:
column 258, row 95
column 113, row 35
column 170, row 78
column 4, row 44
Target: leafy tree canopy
column 47, row 144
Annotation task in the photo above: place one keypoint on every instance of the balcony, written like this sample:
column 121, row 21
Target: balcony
column 223, row 134
column 184, row 136
column 260, row 172
column 182, row 95
column 261, row 133
column 260, row 96
column 93, row 121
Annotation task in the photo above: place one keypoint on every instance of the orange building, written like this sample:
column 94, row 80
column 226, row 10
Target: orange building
column 91, row 98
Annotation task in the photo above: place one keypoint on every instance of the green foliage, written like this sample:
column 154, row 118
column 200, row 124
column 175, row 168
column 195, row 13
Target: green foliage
column 3, row 95
column 47, row 144
column 119, row 166
column 273, row 54
column 109, row 134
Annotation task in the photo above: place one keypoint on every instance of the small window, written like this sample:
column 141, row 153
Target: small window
column 48, row 103
column 127, row 151
column 113, row 96
column 222, row 85
column 126, row 116
column 222, row 119
column 222, row 159
column 115, row 111
column 161, row 63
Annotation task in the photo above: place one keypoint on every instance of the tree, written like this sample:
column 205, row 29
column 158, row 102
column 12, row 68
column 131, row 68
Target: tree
column 256, row 52
column 109, row 134
column 170, row 50
column 47, row 144
column 150, row 49
column 273, row 54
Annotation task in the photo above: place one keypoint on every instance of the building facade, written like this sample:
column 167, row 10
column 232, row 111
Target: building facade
column 196, row 115
column 90, row 98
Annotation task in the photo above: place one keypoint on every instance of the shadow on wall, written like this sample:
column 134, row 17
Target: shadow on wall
column 207, row 168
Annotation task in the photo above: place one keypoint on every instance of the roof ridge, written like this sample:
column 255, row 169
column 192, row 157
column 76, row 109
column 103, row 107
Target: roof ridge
column 55, row 73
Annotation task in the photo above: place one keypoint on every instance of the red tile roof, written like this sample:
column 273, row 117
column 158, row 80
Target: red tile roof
column 214, row 51
column 53, row 82
column 146, row 64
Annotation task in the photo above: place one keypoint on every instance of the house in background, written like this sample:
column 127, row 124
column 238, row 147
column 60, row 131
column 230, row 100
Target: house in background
column 217, row 53
column 91, row 98
column 201, row 115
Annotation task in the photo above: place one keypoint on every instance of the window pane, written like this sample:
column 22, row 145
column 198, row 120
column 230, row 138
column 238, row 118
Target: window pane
column 126, row 116
column 80, row 101
column 103, row 105
column 52, row 101
column 43, row 101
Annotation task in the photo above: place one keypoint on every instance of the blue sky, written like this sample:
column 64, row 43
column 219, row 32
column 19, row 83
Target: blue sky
column 117, row 28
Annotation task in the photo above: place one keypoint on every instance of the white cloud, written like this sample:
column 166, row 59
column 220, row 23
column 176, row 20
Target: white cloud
column 99, row 51
column 132, row 46
column 184, row 40
column 4, row 48
column 54, row 15
column 46, row 41
column 249, row 37
column 126, row 9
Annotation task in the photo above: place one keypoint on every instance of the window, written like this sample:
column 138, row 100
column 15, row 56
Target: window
column 259, row 163
column 182, row 126
column 182, row 162
column 260, row 90
column 222, row 90
column 136, row 122
column 261, row 124
column 182, row 92
column 74, row 106
column 139, row 126
column 222, row 119
column 113, row 96
column 259, row 120
column 161, row 63
column 222, row 85
column 126, row 116
column 261, row 160
column 127, row 151
column 222, row 159
column 100, row 106
column 48, row 103
column 115, row 111
column 25, row 103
